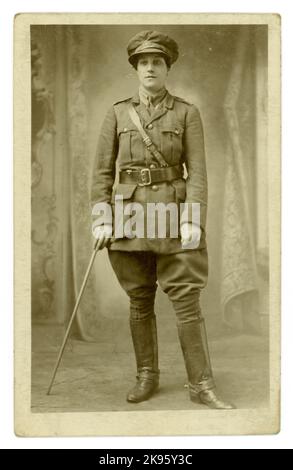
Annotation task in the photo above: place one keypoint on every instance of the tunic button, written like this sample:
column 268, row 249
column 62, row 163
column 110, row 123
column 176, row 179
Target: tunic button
column 125, row 129
column 150, row 126
column 176, row 131
column 155, row 188
column 152, row 166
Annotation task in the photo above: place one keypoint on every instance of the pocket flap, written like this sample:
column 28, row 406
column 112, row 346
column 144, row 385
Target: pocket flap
column 124, row 190
column 180, row 188
column 174, row 129
column 124, row 130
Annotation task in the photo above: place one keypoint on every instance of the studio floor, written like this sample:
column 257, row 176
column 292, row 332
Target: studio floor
column 97, row 376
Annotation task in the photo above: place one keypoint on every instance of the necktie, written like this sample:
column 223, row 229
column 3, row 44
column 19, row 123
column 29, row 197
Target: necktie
column 150, row 105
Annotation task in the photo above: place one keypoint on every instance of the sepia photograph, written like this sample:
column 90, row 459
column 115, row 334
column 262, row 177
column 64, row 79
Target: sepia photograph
column 147, row 192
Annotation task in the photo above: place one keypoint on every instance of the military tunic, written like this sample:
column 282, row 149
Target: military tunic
column 175, row 128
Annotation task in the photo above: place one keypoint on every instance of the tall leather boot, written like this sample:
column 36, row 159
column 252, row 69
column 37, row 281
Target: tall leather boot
column 144, row 336
column 194, row 346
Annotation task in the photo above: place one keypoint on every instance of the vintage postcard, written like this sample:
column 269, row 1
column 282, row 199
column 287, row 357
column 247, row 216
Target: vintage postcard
column 147, row 224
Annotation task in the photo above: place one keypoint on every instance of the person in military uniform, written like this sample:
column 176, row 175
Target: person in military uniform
column 150, row 155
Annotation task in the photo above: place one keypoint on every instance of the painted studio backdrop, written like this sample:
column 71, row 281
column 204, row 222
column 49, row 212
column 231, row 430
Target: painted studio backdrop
column 77, row 73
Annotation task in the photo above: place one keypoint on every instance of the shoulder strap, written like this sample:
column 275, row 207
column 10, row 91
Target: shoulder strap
column 121, row 101
column 146, row 139
column 182, row 100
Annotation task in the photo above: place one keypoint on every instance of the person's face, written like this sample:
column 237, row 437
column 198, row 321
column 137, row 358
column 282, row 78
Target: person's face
column 152, row 71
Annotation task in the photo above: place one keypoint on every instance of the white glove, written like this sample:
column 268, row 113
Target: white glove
column 190, row 235
column 102, row 233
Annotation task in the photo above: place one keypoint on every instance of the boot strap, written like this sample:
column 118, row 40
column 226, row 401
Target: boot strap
column 206, row 384
column 146, row 373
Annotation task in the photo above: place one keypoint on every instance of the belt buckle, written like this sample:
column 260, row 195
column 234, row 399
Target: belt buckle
column 145, row 175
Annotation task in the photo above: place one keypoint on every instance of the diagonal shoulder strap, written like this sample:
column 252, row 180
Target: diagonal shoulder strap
column 146, row 139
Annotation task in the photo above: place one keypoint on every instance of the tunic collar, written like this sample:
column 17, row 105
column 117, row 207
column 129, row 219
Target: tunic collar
column 168, row 100
column 154, row 99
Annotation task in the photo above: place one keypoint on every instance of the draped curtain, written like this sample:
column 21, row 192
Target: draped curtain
column 63, row 141
column 63, row 73
column 239, row 276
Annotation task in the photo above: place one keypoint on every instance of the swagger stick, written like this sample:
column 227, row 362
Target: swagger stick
column 73, row 316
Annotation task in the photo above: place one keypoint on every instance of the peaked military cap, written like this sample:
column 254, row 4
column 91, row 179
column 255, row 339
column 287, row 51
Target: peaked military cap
column 152, row 41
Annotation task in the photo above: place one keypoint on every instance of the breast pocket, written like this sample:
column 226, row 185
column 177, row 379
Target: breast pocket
column 131, row 146
column 171, row 144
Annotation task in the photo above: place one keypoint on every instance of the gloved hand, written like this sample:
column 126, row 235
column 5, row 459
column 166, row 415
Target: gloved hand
column 190, row 235
column 102, row 233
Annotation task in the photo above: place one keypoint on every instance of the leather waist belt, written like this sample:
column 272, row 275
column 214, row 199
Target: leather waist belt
column 148, row 176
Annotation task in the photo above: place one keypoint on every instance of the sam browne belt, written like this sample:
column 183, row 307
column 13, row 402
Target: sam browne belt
column 148, row 176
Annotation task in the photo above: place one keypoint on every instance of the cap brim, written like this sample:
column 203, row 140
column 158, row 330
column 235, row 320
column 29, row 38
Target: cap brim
column 148, row 50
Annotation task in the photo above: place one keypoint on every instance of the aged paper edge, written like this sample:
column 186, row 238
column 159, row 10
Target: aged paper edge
column 136, row 423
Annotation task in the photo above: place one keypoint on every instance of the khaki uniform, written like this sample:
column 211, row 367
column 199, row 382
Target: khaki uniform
column 175, row 128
